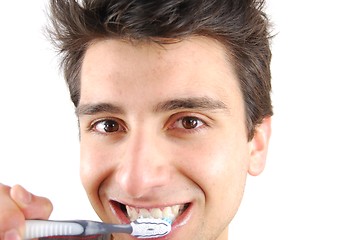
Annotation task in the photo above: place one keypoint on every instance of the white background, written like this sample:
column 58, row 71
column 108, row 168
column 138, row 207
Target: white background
column 309, row 189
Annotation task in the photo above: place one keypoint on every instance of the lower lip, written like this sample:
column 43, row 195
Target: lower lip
column 179, row 222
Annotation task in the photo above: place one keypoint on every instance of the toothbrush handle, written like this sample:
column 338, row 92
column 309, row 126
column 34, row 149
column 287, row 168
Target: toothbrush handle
column 47, row 228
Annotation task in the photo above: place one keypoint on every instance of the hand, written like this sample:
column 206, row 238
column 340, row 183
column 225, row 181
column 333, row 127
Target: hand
column 16, row 205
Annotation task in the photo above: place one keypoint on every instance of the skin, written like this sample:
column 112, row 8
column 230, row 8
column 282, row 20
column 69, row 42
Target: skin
column 16, row 205
column 153, row 156
column 179, row 137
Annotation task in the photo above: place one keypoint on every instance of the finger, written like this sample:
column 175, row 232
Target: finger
column 32, row 206
column 11, row 217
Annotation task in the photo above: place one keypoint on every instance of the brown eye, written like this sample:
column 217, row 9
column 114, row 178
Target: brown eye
column 107, row 126
column 187, row 123
column 190, row 122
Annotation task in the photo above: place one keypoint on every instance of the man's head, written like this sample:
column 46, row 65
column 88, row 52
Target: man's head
column 240, row 26
column 173, row 100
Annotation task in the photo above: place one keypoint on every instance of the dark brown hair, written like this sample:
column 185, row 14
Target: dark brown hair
column 240, row 25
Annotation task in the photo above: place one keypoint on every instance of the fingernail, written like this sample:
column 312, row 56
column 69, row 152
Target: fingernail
column 12, row 235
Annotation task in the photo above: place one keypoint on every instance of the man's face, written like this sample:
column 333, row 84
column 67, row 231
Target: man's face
column 163, row 135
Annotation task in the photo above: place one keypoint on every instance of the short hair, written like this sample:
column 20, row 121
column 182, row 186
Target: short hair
column 241, row 26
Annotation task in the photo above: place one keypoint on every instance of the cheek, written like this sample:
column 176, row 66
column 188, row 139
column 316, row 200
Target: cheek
column 93, row 166
column 223, row 177
column 217, row 162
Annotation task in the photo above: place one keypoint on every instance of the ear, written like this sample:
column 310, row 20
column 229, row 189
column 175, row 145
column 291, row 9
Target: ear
column 259, row 147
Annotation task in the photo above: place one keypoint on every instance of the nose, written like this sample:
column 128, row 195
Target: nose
column 144, row 166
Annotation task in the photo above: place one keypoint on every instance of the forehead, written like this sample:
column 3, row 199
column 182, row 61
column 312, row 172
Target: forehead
column 189, row 67
column 188, row 51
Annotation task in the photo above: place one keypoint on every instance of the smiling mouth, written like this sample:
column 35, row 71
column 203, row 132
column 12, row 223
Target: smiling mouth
column 170, row 213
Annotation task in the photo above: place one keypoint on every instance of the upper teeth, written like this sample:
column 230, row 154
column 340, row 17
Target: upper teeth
column 168, row 212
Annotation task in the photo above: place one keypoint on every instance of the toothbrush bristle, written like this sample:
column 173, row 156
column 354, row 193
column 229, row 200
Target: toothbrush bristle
column 150, row 228
column 167, row 220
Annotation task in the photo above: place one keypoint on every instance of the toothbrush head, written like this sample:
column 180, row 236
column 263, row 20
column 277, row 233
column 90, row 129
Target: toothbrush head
column 150, row 228
column 167, row 220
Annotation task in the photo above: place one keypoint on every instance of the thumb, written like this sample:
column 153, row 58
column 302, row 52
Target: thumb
column 32, row 206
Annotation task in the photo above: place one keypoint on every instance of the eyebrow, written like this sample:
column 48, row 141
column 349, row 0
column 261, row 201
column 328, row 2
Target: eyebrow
column 201, row 103
column 92, row 109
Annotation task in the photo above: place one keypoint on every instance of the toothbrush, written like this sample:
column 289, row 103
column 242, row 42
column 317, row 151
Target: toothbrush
column 140, row 228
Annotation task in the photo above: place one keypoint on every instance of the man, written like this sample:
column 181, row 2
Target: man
column 174, row 109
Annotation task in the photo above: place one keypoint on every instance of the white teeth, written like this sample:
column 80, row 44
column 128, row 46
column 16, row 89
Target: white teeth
column 156, row 213
column 167, row 213
column 144, row 213
column 175, row 209
column 132, row 213
column 170, row 213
